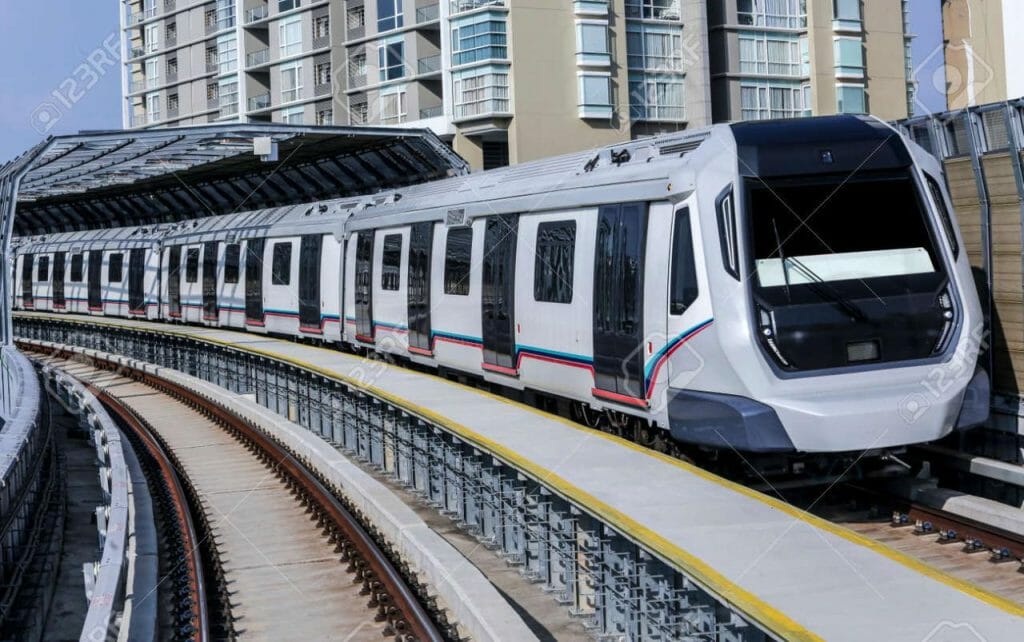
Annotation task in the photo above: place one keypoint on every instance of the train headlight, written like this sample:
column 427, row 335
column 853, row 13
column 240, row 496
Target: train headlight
column 945, row 303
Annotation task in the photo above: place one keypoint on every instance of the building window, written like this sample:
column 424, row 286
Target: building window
column 392, row 106
column 172, row 103
column 764, row 55
column 553, row 266
column 655, row 47
column 281, row 266
column 212, row 92
column 225, row 14
column 172, row 67
column 290, row 31
column 227, row 54
column 358, row 113
column 481, row 91
column 356, row 18
column 291, row 82
column 232, row 256
column 171, row 32
column 592, row 43
column 771, row 100
column 389, row 15
column 322, row 27
column 152, row 38
column 480, row 37
column 192, row 266
column 458, row 250
column 227, row 91
column 115, row 271
column 325, row 117
column 293, row 115
column 653, row 9
column 595, row 96
column 357, row 68
column 153, row 108
column 323, row 73
column 287, row 5
column 849, row 57
column 785, row 14
column 390, row 59
column 152, row 73
column 390, row 274
column 851, row 99
column 656, row 97
column 847, row 14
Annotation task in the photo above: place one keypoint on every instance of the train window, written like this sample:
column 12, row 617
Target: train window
column 947, row 220
column 114, row 272
column 281, row 268
column 77, row 266
column 553, row 266
column 458, row 250
column 232, row 256
column 192, row 265
column 44, row 269
column 727, row 232
column 684, row 273
column 390, row 275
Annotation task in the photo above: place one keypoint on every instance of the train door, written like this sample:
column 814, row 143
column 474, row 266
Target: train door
column 95, row 285
column 498, row 297
column 619, row 303
column 174, row 281
column 58, row 280
column 210, row 312
column 136, row 279
column 254, row 281
column 364, row 286
column 310, row 250
column 421, row 243
column 27, row 264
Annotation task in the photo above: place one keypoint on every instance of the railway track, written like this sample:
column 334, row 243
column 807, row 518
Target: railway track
column 264, row 550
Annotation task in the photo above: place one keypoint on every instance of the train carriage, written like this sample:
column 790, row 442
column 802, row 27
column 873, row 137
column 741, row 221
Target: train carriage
column 781, row 287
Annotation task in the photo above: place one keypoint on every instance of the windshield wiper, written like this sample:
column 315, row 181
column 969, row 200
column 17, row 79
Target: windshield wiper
column 823, row 288
column 782, row 257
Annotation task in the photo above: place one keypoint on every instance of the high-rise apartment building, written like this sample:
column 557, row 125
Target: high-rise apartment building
column 983, row 57
column 510, row 80
column 788, row 58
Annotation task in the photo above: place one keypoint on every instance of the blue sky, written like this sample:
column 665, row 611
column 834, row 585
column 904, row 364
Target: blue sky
column 73, row 55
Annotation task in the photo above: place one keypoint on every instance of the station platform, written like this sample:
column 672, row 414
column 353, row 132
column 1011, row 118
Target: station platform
column 803, row 576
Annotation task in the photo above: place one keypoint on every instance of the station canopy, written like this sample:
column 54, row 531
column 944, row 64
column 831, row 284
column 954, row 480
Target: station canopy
column 114, row 178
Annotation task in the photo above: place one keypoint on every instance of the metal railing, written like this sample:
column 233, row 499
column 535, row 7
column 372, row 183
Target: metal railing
column 256, row 58
column 429, row 64
column 432, row 112
column 256, row 13
column 579, row 557
column 428, row 13
column 460, row 6
column 260, row 101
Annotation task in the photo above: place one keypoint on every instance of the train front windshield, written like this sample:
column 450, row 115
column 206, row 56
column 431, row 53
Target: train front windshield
column 846, row 271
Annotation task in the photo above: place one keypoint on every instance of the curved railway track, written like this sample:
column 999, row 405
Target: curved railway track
column 251, row 564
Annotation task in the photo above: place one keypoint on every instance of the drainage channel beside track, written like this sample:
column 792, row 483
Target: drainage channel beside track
column 253, row 565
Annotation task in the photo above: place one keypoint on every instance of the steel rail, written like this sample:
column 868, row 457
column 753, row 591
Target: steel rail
column 396, row 600
column 190, row 539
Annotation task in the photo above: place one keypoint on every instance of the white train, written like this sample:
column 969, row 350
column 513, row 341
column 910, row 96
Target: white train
column 781, row 287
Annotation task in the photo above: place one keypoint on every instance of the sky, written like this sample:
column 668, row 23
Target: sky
column 64, row 81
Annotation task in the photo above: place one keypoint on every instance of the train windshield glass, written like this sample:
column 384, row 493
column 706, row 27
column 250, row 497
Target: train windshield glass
column 839, row 229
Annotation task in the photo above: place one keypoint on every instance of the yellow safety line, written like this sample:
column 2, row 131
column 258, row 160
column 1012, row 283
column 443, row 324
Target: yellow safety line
column 621, row 521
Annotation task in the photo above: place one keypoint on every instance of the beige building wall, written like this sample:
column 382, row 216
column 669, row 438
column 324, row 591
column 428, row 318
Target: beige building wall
column 885, row 59
column 544, row 85
column 976, row 61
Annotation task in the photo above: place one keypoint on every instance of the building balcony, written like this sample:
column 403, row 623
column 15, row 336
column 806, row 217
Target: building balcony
column 212, row 65
column 170, row 5
column 256, row 14
column 259, row 102
column 136, row 52
column 257, row 58
column 461, row 6
column 356, row 80
column 172, row 112
column 431, row 112
column 229, row 109
column 428, row 13
column 429, row 65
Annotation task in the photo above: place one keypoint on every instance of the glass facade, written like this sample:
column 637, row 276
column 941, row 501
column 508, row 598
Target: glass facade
column 478, row 38
column 479, row 91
